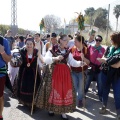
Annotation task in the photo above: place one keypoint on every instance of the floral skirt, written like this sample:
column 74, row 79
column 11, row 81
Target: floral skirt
column 57, row 93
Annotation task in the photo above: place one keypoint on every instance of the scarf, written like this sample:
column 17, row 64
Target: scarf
column 97, row 48
column 113, row 51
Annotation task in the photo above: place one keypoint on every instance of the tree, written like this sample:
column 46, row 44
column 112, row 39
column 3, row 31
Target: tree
column 89, row 11
column 116, row 12
column 4, row 28
column 96, row 17
column 52, row 22
column 87, row 20
column 100, row 18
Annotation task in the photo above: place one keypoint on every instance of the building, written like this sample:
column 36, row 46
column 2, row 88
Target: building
column 73, row 27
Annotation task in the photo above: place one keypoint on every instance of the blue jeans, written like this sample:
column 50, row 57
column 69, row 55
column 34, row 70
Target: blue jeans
column 116, row 91
column 97, row 77
column 78, row 83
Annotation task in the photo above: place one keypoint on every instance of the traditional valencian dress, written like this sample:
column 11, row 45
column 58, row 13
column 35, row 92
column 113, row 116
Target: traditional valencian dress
column 26, row 77
column 57, row 92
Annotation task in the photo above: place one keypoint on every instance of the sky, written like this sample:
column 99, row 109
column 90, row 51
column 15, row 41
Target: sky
column 30, row 12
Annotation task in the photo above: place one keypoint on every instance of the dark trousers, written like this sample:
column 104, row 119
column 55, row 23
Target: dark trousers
column 97, row 77
column 116, row 91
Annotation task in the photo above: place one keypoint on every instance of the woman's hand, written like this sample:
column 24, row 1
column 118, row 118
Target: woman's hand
column 83, row 64
column 101, row 60
column 60, row 57
column 42, row 61
column 85, row 59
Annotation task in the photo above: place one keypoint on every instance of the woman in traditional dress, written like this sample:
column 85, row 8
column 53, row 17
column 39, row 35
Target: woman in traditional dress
column 27, row 72
column 57, row 93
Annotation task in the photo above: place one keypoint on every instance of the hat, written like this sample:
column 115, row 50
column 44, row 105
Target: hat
column 53, row 35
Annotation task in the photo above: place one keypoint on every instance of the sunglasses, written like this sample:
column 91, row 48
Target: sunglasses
column 97, row 40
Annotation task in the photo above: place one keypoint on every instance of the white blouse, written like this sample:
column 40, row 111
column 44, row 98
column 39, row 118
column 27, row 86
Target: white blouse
column 71, row 61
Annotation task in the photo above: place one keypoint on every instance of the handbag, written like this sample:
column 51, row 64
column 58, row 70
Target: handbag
column 16, row 60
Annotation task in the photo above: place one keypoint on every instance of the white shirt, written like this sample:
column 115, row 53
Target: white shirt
column 45, row 48
column 92, row 43
column 38, row 46
column 71, row 61
column 71, row 43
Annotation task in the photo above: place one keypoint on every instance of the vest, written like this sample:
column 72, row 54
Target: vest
column 76, row 55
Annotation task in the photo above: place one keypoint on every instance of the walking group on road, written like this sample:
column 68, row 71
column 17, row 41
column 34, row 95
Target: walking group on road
column 55, row 73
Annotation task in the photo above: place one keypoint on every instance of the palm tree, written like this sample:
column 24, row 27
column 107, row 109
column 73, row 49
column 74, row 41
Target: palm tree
column 116, row 12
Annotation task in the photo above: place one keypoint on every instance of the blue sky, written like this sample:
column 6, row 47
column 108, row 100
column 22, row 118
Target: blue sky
column 30, row 12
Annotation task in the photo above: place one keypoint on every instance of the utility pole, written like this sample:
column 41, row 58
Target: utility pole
column 14, row 27
column 90, row 20
column 73, row 26
column 107, row 23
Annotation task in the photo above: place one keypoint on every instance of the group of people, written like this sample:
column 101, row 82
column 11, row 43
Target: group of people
column 56, row 74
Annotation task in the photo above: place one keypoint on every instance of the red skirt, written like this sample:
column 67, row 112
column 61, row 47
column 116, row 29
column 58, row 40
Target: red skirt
column 61, row 93
column 2, row 84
